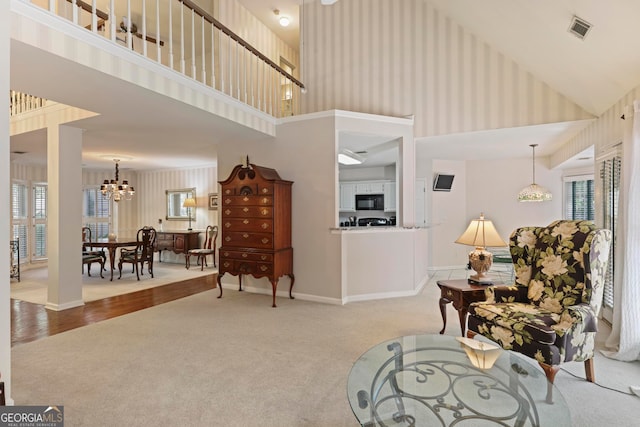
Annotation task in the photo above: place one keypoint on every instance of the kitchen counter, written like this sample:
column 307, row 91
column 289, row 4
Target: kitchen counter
column 375, row 229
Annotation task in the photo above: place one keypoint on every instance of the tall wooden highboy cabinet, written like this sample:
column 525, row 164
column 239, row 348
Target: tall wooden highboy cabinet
column 256, row 226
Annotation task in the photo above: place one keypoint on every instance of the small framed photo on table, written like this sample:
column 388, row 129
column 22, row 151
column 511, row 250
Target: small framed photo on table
column 213, row 201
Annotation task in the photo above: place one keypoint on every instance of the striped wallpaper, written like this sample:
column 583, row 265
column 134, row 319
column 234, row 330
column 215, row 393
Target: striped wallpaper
column 604, row 133
column 239, row 20
column 404, row 57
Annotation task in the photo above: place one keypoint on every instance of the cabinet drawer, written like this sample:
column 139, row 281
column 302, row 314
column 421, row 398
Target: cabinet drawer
column 247, row 212
column 248, row 224
column 253, row 189
column 248, row 239
column 250, row 256
column 247, row 201
column 246, row 267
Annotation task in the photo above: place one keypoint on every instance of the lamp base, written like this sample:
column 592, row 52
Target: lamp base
column 484, row 280
column 480, row 261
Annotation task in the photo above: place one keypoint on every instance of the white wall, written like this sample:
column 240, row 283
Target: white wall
column 484, row 186
column 447, row 214
column 303, row 152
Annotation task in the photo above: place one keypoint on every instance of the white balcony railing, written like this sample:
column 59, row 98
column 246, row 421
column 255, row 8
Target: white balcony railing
column 181, row 35
column 21, row 103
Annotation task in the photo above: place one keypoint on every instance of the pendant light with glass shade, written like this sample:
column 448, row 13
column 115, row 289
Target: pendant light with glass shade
column 534, row 192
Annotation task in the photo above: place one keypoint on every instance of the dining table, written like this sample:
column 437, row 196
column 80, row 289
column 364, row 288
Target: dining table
column 112, row 246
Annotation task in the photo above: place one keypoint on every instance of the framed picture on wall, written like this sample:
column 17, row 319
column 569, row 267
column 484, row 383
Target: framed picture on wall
column 213, row 201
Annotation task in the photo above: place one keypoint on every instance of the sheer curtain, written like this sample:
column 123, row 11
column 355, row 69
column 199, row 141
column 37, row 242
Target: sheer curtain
column 624, row 341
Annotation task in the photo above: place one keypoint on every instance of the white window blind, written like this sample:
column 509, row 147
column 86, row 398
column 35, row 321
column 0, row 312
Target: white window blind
column 19, row 217
column 40, row 220
column 96, row 213
column 610, row 175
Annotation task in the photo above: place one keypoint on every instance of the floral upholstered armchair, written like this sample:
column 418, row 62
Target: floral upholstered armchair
column 550, row 312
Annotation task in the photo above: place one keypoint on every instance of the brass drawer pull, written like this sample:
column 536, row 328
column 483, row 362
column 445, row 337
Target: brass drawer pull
column 263, row 257
column 245, row 222
column 265, row 200
column 228, row 191
column 264, row 212
column 264, row 268
column 265, row 190
column 265, row 240
column 227, row 201
column 245, row 235
column 245, row 199
column 245, row 210
column 227, row 212
column 227, row 224
column 227, row 239
column 244, row 255
column 226, row 254
column 227, row 264
column 265, row 225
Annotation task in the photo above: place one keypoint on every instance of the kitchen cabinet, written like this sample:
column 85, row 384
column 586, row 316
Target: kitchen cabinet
column 372, row 187
column 256, row 226
column 347, row 197
column 390, row 196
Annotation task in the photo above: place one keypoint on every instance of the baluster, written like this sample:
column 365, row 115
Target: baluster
column 238, row 68
column 182, row 63
column 128, row 26
column 229, row 74
column 158, row 51
column 112, row 18
column 144, row 27
column 204, row 62
column 94, row 17
column 74, row 11
column 213, row 56
column 170, row 37
column 193, row 45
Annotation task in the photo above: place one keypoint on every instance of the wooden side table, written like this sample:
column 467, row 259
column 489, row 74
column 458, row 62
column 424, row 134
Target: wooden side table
column 461, row 293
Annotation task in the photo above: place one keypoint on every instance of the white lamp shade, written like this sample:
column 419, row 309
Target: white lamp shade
column 481, row 233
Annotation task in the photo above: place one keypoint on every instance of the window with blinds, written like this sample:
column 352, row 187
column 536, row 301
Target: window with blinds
column 96, row 213
column 19, row 217
column 579, row 198
column 610, row 170
column 40, row 220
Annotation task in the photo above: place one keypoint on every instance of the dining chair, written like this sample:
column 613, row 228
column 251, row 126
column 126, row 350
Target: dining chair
column 208, row 248
column 90, row 256
column 143, row 252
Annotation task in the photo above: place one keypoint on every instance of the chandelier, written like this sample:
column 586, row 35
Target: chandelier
column 113, row 190
column 534, row 192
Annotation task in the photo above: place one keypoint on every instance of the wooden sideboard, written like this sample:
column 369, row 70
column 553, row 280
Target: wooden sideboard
column 256, row 226
column 180, row 242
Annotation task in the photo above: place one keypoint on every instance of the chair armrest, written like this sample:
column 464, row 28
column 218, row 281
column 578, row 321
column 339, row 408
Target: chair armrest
column 583, row 313
column 501, row 293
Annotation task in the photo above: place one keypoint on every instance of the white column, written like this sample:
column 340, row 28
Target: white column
column 64, row 175
column 5, row 185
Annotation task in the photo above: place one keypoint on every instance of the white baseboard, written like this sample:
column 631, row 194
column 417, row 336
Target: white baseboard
column 65, row 306
column 282, row 294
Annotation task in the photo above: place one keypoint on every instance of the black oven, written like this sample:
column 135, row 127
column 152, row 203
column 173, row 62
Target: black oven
column 369, row 202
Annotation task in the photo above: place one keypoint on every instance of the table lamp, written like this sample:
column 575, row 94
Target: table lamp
column 481, row 233
column 189, row 203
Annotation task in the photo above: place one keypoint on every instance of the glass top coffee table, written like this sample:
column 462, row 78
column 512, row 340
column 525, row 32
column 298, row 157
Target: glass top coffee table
column 428, row 380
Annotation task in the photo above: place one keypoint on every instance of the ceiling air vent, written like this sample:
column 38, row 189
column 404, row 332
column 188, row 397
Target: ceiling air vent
column 579, row 27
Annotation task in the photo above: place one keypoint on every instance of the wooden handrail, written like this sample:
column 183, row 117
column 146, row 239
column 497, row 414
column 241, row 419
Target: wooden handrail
column 198, row 10
column 87, row 7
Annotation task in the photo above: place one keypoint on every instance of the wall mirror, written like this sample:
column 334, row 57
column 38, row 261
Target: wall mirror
column 175, row 200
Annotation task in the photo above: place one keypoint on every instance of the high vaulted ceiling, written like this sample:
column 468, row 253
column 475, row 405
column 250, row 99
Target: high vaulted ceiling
column 594, row 73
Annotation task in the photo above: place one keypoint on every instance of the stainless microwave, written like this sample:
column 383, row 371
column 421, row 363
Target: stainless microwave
column 369, row 202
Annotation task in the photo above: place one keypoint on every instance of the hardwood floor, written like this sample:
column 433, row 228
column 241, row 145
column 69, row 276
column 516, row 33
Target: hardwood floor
column 30, row 322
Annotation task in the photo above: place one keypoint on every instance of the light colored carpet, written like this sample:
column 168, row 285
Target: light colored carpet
column 33, row 282
column 235, row 361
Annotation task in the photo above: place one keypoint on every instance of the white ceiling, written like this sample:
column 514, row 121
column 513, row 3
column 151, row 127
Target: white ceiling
column 594, row 73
